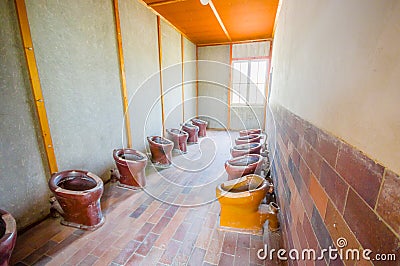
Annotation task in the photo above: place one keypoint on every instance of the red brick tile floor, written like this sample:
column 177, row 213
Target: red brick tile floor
column 173, row 221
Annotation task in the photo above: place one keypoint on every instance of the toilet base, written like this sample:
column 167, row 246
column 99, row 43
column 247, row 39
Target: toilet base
column 82, row 226
column 178, row 151
column 119, row 184
column 240, row 230
column 160, row 165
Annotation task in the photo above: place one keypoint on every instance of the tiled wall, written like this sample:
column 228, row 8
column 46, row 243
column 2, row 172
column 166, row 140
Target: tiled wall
column 328, row 189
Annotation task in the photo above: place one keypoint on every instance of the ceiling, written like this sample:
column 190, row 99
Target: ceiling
column 220, row 21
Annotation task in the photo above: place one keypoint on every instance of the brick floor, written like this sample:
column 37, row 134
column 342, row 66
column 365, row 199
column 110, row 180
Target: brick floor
column 173, row 221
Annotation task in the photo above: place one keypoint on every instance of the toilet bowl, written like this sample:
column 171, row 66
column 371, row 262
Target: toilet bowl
column 248, row 139
column 179, row 138
column 161, row 151
column 243, row 165
column 78, row 193
column 243, row 149
column 131, row 166
column 240, row 205
column 246, row 132
column 202, row 126
column 8, row 236
column 193, row 132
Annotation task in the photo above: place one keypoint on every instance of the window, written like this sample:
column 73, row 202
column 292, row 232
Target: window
column 249, row 79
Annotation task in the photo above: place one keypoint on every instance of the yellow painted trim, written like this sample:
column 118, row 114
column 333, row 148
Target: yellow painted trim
column 164, row 2
column 183, row 78
column 122, row 74
column 267, row 86
column 197, row 81
column 221, row 23
column 166, row 21
column 233, row 42
column 160, row 69
column 229, row 87
column 35, row 84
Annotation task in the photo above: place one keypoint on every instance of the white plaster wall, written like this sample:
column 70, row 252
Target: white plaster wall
column 337, row 65
column 76, row 52
column 190, row 78
column 172, row 75
column 214, row 74
column 140, row 47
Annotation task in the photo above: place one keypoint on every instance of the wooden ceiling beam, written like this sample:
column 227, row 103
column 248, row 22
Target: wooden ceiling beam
column 219, row 20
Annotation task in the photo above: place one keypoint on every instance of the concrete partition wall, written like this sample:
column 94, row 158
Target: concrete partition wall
column 214, row 75
column 190, row 78
column 76, row 52
column 334, row 123
column 140, row 47
column 23, row 172
column 171, row 75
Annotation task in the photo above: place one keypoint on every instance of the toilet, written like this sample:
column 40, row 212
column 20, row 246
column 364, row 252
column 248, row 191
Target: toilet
column 161, row 151
column 243, row 165
column 202, row 126
column 240, row 205
column 78, row 193
column 179, row 138
column 193, row 132
column 248, row 139
column 243, row 149
column 8, row 236
column 246, row 132
column 131, row 166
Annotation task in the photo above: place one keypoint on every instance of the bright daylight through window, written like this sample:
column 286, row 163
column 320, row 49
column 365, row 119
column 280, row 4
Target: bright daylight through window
column 249, row 79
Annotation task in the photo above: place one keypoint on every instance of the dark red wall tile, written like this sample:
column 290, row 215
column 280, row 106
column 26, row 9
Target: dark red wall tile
column 365, row 224
column 327, row 146
column 309, row 233
column 304, row 172
column 314, row 161
column 334, row 186
column 389, row 200
column 362, row 173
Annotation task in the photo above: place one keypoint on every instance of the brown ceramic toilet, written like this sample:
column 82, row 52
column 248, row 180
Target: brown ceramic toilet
column 8, row 236
column 161, row 151
column 202, row 126
column 243, row 165
column 131, row 166
column 179, row 138
column 248, row 139
column 78, row 193
column 243, row 149
column 193, row 132
column 240, row 205
column 246, row 132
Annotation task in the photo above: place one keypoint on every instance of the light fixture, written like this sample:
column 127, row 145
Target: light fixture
column 204, row 2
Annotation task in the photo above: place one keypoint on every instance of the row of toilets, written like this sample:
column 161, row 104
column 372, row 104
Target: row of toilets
column 77, row 193
column 242, row 195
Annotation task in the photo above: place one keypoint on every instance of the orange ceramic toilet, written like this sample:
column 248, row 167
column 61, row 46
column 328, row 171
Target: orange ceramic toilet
column 248, row 139
column 246, row 132
column 243, row 149
column 240, row 205
column 78, row 193
column 131, row 166
column 179, row 138
column 202, row 126
column 161, row 151
column 244, row 165
column 8, row 237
